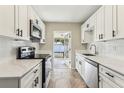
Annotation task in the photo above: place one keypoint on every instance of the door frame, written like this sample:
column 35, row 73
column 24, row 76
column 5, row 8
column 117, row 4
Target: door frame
column 53, row 46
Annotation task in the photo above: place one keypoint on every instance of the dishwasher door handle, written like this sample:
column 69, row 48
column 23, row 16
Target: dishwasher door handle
column 91, row 62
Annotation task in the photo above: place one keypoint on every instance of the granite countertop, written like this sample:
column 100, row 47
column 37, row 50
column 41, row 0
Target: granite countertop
column 17, row 68
column 114, row 64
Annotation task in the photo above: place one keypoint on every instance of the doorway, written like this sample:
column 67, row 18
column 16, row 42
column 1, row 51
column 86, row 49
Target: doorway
column 61, row 49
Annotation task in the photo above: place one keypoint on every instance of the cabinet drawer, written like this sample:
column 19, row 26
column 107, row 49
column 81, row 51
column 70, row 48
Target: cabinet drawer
column 106, row 83
column 113, row 76
column 37, row 70
column 30, row 76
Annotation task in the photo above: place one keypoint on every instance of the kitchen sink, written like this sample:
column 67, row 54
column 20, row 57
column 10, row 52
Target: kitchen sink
column 88, row 54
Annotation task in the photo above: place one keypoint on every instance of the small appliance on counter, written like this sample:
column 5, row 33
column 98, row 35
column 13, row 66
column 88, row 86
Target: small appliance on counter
column 25, row 52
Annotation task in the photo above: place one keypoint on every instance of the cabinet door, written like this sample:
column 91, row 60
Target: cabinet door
column 114, row 14
column 76, row 62
column 108, row 22
column 93, row 27
column 82, row 33
column 31, row 13
column 80, row 67
column 87, row 24
column 100, row 24
column 23, row 21
column 106, row 83
column 120, row 21
column 7, row 20
column 83, row 69
column 43, row 32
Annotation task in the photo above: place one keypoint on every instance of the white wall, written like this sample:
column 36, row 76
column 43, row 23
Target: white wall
column 76, row 35
column 8, row 48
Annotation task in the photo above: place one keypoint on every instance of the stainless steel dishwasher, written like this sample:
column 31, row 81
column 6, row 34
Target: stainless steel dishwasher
column 91, row 73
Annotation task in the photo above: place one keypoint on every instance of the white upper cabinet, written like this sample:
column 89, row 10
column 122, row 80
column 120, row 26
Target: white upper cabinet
column 108, row 22
column 7, row 20
column 43, row 40
column 114, row 20
column 82, row 33
column 21, row 25
column 88, row 29
column 86, row 36
column 15, row 22
column 87, row 25
column 100, row 24
column 32, row 15
column 120, row 21
column 93, row 26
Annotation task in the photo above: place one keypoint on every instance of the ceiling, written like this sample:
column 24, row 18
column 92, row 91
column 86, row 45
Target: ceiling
column 65, row 13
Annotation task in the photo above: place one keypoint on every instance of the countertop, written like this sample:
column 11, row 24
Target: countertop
column 114, row 64
column 17, row 68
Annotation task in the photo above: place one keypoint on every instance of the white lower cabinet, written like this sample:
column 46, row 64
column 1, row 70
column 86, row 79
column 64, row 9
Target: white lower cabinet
column 106, row 83
column 77, row 63
column 109, row 78
column 80, row 66
column 33, row 79
column 83, row 70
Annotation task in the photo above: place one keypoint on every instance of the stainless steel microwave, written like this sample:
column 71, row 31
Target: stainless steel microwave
column 35, row 31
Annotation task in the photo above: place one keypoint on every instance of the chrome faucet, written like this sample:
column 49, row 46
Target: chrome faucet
column 93, row 45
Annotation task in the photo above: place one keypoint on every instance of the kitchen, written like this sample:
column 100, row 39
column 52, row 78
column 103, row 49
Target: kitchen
column 26, row 38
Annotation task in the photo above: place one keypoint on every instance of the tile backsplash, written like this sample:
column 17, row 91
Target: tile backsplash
column 114, row 48
column 8, row 48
